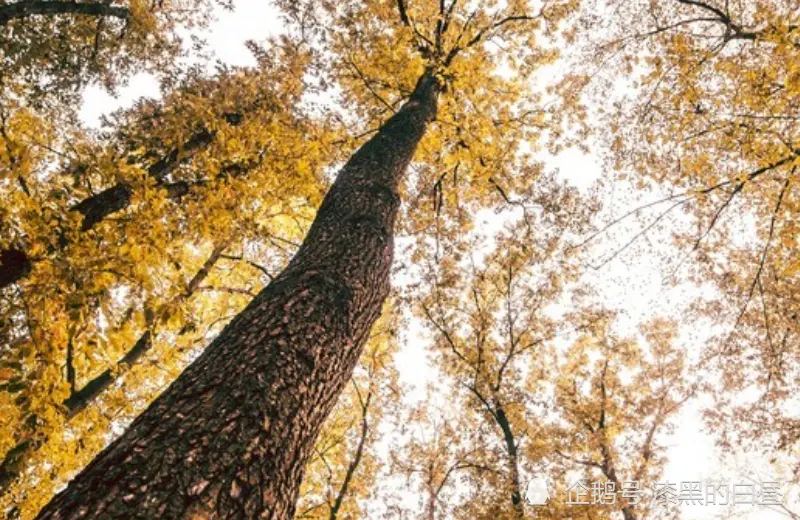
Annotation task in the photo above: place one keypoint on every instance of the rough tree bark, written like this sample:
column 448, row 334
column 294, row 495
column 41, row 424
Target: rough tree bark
column 15, row 460
column 231, row 436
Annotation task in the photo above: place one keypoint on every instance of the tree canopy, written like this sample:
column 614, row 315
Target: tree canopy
column 125, row 250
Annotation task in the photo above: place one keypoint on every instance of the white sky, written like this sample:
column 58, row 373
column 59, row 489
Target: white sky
column 632, row 283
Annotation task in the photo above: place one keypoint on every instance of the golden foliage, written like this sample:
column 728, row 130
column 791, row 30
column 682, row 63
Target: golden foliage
column 110, row 314
column 711, row 117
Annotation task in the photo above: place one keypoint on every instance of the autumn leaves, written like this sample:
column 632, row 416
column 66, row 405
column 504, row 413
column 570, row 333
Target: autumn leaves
column 126, row 250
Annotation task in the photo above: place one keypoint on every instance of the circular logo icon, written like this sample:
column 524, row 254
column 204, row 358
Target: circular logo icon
column 536, row 492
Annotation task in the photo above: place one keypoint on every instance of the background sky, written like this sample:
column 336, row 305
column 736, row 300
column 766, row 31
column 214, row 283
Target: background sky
column 633, row 283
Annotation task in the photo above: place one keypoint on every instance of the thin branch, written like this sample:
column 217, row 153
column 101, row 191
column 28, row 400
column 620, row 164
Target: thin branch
column 229, row 290
column 251, row 264
column 711, row 225
column 582, row 462
column 686, row 197
column 368, row 84
column 764, row 251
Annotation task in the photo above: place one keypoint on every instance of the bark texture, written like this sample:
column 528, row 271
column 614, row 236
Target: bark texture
column 16, row 459
column 14, row 264
column 231, row 436
column 25, row 8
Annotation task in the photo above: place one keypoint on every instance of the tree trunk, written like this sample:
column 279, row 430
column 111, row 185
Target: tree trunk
column 608, row 470
column 16, row 459
column 25, row 8
column 512, row 462
column 231, row 436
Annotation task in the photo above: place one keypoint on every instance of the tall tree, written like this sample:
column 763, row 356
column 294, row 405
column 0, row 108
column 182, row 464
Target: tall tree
column 232, row 434
column 592, row 411
column 615, row 400
column 107, row 317
column 712, row 120
column 247, row 411
column 493, row 335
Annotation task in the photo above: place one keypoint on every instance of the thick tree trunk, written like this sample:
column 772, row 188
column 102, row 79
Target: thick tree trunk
column 15, row 460
column 25, row 8
column 231, row 436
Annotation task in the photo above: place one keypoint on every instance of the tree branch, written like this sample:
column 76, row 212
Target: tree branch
column 353, row 466
column 24, row 9
column 764, row 252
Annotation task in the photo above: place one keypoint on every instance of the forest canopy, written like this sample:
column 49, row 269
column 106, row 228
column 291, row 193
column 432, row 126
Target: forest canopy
column 440, row 259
